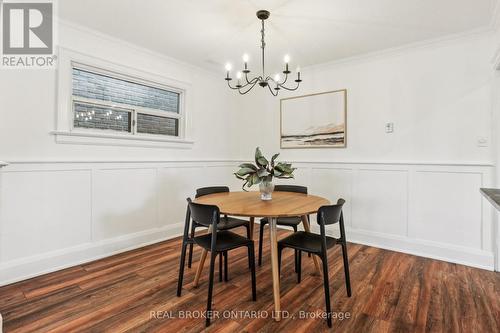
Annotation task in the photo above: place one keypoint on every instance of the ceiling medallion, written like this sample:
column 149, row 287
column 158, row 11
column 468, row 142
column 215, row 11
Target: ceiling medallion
column 275, row 84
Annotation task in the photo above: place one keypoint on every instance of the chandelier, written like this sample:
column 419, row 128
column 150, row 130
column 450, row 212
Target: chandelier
column 274, row 84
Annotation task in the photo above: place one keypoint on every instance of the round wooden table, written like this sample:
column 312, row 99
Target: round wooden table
column 249, row 204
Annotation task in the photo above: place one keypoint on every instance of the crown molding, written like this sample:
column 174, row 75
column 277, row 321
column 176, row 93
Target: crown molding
column 400, row 50
column 132, row 46
column 493, row 25
column 2, row 164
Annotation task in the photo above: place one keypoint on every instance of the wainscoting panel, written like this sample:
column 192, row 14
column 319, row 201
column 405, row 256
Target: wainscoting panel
column 321, row 184
column 457, row 218
column 175, row 185
column 380, row 201
column 57, row 214
column 124, row 201
column 431, row 210
column 43, row 211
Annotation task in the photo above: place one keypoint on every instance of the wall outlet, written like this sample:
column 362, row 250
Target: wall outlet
column 389, row 127
column 482, row 141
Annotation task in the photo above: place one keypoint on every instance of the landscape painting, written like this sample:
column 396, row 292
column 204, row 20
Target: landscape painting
column 314, row 121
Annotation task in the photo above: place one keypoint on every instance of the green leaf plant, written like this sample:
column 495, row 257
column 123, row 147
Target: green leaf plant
column 263, row 170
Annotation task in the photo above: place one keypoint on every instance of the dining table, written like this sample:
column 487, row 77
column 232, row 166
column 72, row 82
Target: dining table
column 249, row 204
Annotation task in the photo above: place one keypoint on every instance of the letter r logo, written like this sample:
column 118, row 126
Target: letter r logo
column 27, row 28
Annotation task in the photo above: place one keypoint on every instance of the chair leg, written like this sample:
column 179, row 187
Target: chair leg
column 296, row 253
column 327, row 289
column 190, row 259
column 213, row 256
column 299, row 265
column 261, row 237
column 249, row 236
column 251, row 260
column 346, row 269
column 309, row 219
column 225, row 267
column 181, row 269
column 220, row 267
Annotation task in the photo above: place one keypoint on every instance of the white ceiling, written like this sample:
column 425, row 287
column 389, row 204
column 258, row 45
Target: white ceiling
column 209, row 33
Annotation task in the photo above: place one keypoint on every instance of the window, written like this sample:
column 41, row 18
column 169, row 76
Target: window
column 103, row 102
column 113, row 103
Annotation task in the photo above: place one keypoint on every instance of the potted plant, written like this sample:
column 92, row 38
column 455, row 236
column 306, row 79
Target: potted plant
column 262, row 173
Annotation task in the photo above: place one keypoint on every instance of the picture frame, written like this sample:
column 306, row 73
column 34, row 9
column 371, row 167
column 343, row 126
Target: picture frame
column 316, row 120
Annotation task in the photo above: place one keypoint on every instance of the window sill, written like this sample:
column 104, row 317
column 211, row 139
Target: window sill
column 106, row 139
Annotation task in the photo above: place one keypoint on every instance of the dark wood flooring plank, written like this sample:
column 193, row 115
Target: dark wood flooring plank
column 392, row 292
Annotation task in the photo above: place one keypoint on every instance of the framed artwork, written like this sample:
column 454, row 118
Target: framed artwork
column 314, row 121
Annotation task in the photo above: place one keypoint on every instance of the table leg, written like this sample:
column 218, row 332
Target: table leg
column 307, row 228
column 201, row 263
column 252, row 224
column 274, row 266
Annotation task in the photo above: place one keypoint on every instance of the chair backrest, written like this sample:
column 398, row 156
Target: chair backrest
column 330, row 214
column 205, row 215
column 291, row 188
column 211, row 189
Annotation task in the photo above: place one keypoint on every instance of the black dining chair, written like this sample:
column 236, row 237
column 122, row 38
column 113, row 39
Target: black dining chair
column 292, row 221
column 217, row 242
column 226, row 223
column 318, row 245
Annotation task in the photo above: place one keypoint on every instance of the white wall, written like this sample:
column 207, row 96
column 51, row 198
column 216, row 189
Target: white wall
column 437, row 95
column 28, row 107
column 57, row 210
column 415, row 190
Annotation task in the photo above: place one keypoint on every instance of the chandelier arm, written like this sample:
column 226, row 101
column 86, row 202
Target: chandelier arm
column 291, row 89
column 284, row 81
column 271, row 90
column 244, row 92
column 252, row 80
column 241, row 86
column 229, row 85
column 246, row 78
column 245, row 85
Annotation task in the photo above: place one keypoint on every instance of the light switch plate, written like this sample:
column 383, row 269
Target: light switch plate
column 389, row 127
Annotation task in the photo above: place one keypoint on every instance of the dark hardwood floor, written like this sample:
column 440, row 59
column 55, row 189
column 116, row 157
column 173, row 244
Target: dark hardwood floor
column 135, row 292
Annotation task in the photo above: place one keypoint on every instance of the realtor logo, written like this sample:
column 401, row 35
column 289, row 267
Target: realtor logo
column 27, row 34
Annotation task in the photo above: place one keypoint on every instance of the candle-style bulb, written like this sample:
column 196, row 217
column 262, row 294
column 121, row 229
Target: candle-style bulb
column 245, row 58
column 287, row 58
column 298, row 70
column 277, row 78
column 228, row 67
column 238, row 75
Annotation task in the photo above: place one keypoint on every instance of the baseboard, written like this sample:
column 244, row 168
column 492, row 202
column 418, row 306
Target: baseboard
column 26, row 268
column 440, row 251
column 422, row 248
column 18, row 270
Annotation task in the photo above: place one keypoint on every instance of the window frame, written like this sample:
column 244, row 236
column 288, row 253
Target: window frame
column 66, row 132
